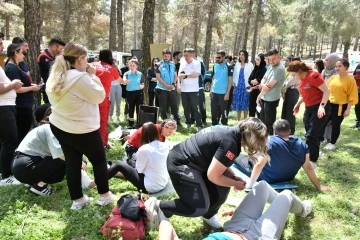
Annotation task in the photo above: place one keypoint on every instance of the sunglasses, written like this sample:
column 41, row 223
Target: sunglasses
column 218, row 57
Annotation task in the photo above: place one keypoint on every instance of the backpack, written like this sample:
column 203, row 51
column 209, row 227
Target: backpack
column 127, row 220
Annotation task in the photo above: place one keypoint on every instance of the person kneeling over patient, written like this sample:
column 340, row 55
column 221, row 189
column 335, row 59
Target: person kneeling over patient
column 150, row 173
column 249, row 221
column 287, row 155
column 39, row 160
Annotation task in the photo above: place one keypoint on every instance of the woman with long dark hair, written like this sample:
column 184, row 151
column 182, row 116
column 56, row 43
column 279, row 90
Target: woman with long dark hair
column 25, row 95
column 107, row 74
column 242, row 71
column 254, row 81
column 75, row 93
column 151, row 77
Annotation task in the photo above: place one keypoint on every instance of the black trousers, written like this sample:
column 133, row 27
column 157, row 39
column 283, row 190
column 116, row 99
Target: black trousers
column 8, row 139
column 202, row 107
column 74, row 147
column 336, row 121
column 357, row 110
column 24, row 119
column 190, row 103
column 252, row 103
column 153, row 98
column 134, row 100
column 218, row 102
column 168, row 98
column 33, row 169
column 44, row 95
column 291, row 98
column 268, row 114
column 229, row 104
column 131, row 156
column 315, row 128
column 198, row 196
column 130, row 173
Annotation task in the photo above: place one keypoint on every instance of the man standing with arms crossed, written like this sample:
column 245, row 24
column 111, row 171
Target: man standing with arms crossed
column 270, row 94
column 220, row 89
column 166, row 77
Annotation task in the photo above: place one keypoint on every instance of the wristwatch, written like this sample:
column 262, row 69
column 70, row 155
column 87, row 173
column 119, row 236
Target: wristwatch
column 323, row 104
column 185, row 76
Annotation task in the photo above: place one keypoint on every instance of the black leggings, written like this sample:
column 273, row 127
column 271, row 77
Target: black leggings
column 74, row 147
column 134, row 99
column 33, row 169
column 198, row 196
column 8, row 139
column 24, row 119
column 130, row 173
column 336, row 121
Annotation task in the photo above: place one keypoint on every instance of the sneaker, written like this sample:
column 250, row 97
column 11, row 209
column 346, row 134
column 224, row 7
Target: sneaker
column 42, row 191
column 321, row 153
column 151, row 207
column 110, row 119
column 80, row 204
column 9, row 181
column 213, row 222
column 102, row 201
column 330, row 147
column 85, row 180
column 307, row 208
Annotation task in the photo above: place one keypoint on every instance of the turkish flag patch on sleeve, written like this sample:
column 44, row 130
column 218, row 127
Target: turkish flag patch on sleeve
column 230, row 155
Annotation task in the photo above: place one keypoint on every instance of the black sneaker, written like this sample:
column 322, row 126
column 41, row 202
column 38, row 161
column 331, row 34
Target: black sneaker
column 42, row 191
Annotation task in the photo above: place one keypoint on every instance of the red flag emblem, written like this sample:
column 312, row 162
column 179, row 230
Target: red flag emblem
column 230, row 155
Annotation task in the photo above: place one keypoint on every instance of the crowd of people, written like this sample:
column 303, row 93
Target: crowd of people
column 79, row 100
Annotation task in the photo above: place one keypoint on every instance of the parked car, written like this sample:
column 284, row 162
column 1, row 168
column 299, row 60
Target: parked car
column 207, row 82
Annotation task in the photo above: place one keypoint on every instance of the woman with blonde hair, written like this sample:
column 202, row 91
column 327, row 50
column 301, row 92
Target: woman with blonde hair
column 200, row 173
column 75, row 93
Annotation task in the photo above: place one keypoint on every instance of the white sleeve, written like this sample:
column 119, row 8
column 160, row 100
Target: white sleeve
column 90, row 89
column 141, row 159
column 54, row 145
column 198, row 67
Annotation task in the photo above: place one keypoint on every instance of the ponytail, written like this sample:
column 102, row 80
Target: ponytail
column 57, row 75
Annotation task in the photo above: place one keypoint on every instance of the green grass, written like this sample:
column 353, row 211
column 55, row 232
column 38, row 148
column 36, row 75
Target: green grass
column 24, row 215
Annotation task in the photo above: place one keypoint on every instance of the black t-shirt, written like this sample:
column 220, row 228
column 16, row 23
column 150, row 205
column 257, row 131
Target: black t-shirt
column 220, row 142
column 14, row 72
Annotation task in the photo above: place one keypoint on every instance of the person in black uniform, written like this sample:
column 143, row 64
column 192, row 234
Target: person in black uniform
column 199, row 168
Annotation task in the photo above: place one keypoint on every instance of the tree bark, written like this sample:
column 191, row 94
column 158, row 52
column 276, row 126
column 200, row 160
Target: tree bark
column 67, row 15
column 256, row 30
column 209, row 29
column 347, row 42
column 147, row 39
column 197, row 22
column 315, row 46
column 112, row 30
column 32, row 34
column 120, row 26
column 356, row 44
column 321, row 46
column 247, row 24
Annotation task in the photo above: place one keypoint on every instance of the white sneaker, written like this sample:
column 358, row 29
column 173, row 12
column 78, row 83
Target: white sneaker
column 9, row 181
column 85, row 179
column 110, row 119
column 152, row 214
column 330, row 147
column 79, row 205
column 118, row 120
column 213, row 222
column 102, row 201
column 307, row 208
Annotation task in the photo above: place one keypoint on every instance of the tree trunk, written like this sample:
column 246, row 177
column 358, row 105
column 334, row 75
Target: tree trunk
column 270, row 43
column 256, row 30
column 120, row 26
column 136, row 28
column 147, row 39
column 124, row 30
column 67, row 15
column 334, row 43
column 209, row 29
column 197, row 22
column 356, row 44
column 247, row 24
column 315, row 46
column 32, row 34
column 235, row 40
column 321, row 46
column 347, row 42
column 112, row 30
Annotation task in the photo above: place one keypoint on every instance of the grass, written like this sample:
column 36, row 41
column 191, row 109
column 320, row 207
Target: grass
column 24, row 215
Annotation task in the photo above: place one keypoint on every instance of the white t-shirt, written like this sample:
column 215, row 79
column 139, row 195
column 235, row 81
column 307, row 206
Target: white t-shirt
column 190, row 84
column 151, row 161
column 41, row 142
column 6, row 99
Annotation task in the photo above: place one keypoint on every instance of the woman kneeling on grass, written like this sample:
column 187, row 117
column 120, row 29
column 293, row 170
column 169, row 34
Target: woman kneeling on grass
column 200, row 173
column 39, row 160
column 150, row 173
column 249, row 221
